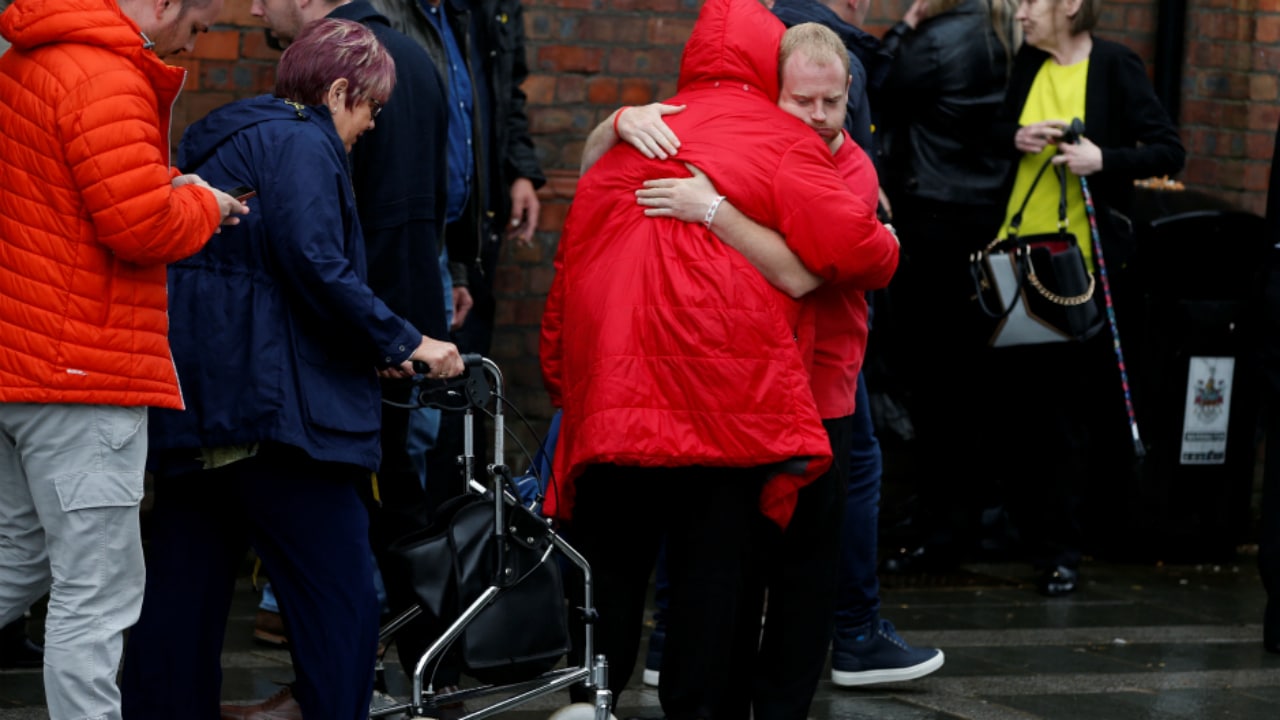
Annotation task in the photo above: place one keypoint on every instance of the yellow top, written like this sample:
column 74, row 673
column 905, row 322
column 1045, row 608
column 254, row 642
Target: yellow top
column 1057, row 93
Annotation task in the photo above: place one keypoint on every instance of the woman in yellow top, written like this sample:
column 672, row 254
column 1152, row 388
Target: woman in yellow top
column 1064, row 410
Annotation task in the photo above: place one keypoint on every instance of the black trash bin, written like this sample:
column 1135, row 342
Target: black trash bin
column 1188, row 306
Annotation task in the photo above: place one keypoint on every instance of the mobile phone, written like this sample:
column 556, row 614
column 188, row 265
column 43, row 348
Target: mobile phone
column 242, row 192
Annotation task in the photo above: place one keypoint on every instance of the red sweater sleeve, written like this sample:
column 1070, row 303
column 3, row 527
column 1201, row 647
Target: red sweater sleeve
column 834, row 233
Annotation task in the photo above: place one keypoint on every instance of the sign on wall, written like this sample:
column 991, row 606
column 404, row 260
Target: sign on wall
column 1208, row 410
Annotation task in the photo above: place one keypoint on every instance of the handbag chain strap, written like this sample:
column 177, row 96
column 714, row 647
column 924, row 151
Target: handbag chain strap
column 1020, row 249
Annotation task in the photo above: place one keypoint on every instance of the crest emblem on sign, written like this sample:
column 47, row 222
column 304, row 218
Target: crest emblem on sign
column 1210, row 396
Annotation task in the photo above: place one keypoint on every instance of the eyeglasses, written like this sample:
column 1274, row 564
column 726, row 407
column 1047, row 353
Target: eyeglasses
column 375, row 107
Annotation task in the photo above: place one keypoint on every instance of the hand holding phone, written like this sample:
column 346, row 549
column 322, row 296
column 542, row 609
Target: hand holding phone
column 242, row 192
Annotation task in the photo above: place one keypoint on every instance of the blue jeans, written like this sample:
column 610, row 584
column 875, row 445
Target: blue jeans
column 858, row 594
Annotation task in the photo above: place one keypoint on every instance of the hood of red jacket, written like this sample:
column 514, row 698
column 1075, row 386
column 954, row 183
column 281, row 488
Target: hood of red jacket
column 733, row 41
column 28, row 24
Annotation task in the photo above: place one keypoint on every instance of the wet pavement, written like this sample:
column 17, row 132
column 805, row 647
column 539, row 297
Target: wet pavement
column 1137, row 641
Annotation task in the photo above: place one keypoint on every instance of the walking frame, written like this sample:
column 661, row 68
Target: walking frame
column 480, row 384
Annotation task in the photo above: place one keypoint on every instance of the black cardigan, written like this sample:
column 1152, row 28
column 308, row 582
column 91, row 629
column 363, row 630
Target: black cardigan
column 1123, row 118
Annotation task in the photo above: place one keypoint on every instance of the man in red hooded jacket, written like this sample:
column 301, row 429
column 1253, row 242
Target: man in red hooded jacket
column 678, row 366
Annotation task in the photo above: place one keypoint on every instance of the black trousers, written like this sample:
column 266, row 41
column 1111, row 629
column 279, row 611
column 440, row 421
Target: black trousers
column 708, row 516
column 305, row 520
column 800, row 568
column 933, row 342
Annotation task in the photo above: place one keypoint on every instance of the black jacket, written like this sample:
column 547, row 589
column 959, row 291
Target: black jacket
column 512, row 155
column 398, row 173
column 506, row 151
column 1123, row 117
column 942, row 94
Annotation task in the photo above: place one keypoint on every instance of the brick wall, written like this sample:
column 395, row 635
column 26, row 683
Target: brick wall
column 586, row 57
column 1229, row 97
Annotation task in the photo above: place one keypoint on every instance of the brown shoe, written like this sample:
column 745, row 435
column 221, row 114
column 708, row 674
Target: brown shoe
column 280, row 706
column 268, row 629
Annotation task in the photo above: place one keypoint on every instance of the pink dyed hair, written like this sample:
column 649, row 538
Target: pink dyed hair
column 326, row 50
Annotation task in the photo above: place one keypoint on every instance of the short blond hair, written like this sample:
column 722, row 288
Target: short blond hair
column 816, row 42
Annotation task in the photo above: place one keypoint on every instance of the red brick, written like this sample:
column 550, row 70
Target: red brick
column 253, row 44
column 552, row 217
column 561, row 183
column 1232, row 86
column 1259, row 144
column 1261, row 117
column 1263, row 87
column 504, row 314
column 654, row 6
column 236, row 12
column 570, row 4
column 602, row 91
column 192, row 66
column 218, row 45
column 611, row 29
column 544, row 120
column 532, row 254
column 539, row 280
column 637, row 91
column 1267, row 29
column 651, row 62
column 1140, row 17
column 571, row 89
column 568, row 58
column 1256, row 176
column 508, row 278
column 528, row 313
column 540, row 89
column 669, row 31
column 1200, row 170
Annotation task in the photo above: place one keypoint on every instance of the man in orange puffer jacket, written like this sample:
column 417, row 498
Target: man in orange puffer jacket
column 90, row 213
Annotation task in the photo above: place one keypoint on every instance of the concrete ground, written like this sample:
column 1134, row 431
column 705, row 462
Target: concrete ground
column 1138, row 641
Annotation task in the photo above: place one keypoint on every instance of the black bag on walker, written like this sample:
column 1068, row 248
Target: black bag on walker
column 524, row 631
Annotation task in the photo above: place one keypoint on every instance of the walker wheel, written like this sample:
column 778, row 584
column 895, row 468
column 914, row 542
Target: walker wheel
column 577, row 711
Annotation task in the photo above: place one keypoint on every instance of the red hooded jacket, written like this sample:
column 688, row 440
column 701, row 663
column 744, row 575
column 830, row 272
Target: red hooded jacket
column 664, row 346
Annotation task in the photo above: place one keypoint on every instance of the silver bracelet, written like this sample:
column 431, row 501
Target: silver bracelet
column 711, row 211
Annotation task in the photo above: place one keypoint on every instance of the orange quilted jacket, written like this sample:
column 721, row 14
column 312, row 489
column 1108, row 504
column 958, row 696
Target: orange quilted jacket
column 88, row 215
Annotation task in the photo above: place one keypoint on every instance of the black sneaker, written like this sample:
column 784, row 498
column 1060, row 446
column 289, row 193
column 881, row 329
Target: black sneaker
column 874, row 654
column 16, row 649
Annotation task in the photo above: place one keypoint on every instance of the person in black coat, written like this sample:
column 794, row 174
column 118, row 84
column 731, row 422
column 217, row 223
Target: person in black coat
column 1061, row 408
column 947, row 82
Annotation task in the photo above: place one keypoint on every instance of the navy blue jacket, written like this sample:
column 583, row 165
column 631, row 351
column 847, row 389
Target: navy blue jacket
column 398, row 170
column 274, row 332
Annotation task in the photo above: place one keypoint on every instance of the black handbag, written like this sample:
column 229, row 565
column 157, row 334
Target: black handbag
column 1036, row 288
column 524, row 631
